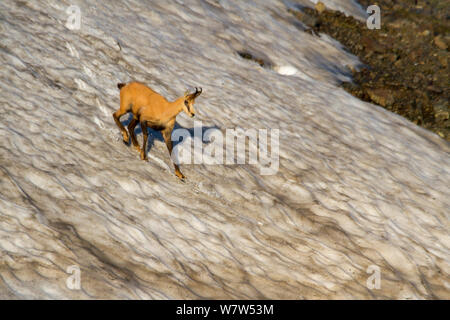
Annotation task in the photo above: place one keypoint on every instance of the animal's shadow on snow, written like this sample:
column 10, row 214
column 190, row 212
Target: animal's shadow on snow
column 157, row 135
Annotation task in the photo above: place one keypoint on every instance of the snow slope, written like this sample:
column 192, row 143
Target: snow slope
column 357, row 187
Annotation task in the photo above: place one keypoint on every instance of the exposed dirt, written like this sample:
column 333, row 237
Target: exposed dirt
column 406, row 61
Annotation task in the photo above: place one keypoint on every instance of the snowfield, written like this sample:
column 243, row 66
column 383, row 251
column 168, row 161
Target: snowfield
column 358, row 189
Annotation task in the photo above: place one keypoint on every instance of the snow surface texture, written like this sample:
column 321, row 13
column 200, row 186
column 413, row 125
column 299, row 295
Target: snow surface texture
column 357, row 186
column 349, row 7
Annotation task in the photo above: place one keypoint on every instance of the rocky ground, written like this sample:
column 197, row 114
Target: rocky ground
column 405, row 62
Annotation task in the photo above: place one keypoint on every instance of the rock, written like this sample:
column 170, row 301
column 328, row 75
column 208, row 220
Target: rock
column 372, row 45
column 320, row 7
column 434, row 89
column 443, row 61
column 441, row 115
column 309, row 20
column 398, row 63
column 399, row 23
column 439, row 42
column 351, row 68
column 392, row 57
column 381, row 96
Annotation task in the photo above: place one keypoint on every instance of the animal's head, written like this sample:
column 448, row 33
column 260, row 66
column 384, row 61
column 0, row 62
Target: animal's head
column 189, row 100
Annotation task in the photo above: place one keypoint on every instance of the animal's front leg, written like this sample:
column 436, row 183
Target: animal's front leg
column 131, row 127
column 167, row 138
column 116, row 116
column 144, row 144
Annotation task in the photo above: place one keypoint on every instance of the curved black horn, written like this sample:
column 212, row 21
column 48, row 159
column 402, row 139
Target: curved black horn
column 198, row 91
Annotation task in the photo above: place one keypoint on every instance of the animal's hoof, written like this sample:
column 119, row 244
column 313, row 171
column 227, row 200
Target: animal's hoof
column 143, row 156
column 126, row 138
column 180, row 176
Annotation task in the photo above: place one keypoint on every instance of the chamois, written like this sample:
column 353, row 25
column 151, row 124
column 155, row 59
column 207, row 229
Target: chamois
column 152, row 110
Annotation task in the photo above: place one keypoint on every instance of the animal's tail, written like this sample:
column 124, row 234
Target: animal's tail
column 121, row 85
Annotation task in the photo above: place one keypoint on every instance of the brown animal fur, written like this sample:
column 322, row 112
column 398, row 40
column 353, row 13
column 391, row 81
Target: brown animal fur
column 151, row 109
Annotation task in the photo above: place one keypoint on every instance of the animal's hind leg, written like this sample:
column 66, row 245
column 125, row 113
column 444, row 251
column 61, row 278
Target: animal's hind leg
column 131, row 127
column 116, row 116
